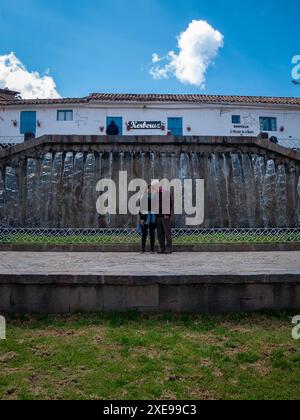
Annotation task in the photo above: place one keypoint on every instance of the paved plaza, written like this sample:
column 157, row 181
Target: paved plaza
column 178, row 264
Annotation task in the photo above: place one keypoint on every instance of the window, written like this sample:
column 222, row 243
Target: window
column 268, row 124
column 236, row 119
column 64, row 115
column 28, row 122
column 175, row 126
column 118, row 121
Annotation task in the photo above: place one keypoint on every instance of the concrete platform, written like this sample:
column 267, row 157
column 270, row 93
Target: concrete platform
column 188, row 248
column 187, row 282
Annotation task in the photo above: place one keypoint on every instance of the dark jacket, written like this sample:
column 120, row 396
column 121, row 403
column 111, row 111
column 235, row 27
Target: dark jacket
column 112, row 129
column 145, row 216
column 166, row 195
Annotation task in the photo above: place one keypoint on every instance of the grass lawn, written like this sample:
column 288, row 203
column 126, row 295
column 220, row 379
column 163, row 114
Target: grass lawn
column 150, row 357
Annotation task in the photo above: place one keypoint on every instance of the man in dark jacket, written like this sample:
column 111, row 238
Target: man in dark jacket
column 164, row 219
column 112, row 129
column 147, row 220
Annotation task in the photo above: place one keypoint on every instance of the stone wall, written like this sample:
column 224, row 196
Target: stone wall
column 66, row 294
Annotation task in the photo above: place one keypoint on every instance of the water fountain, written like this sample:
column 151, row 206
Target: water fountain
column 58, row 188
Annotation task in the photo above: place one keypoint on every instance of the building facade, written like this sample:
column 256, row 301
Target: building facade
column 178, row 115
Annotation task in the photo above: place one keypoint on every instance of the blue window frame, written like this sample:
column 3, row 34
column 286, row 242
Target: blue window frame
column 236, row 119
column 268, row 124
column 175, row 126
column 65, row 115
column 118, row 121
column 28, row 122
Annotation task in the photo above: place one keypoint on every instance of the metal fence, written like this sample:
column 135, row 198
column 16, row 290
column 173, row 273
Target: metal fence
column 131, row 236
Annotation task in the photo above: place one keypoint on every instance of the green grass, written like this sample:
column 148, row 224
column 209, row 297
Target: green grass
column 150, row 357
column 25, row 239
column 209, row 238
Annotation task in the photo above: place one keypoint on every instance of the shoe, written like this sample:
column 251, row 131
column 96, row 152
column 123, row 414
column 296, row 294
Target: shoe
column 161, row 252
column 169, row 251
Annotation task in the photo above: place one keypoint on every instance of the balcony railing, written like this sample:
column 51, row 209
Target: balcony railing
column 290, row 143
column 9, row 141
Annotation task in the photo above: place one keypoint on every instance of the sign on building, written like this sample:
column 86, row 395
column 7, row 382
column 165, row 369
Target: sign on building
column 145, row 125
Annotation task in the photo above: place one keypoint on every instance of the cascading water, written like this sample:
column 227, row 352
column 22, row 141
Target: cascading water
column 259, row 173
column 109, row 217
column 78, row 178
column 12, row 197
column 122, row 161
column 298, row 203
column 143, row 165
column 152, row 158
column 242, row 189
column 89, row 191
column 239, row 190
column 281, row 197
column 249, row 188
column 67, row 184
column 32, row 196
column 270, row 194
column 184, row 174
column 45, row 191
column 2, row 198
column 225, row 172
column 216, row 173
column 56, row 190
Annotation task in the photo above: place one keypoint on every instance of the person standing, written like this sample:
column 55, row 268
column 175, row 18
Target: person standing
column 148, row 221
column 164, row 221
column 112, row 129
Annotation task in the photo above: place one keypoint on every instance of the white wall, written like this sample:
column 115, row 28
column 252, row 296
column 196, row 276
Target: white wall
column 203, row 120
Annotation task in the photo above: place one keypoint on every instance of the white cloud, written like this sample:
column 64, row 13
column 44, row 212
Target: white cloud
column 156, row 58
column 198, row 46
column 31, row 85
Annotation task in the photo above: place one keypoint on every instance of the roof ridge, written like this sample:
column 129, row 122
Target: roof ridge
column 158, row 97
column 190, row 94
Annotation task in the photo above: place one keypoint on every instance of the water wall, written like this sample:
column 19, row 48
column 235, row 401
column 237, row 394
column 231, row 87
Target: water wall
column 57, row 189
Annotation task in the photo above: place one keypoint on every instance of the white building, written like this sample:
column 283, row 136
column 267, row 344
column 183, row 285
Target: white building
column 187, row 115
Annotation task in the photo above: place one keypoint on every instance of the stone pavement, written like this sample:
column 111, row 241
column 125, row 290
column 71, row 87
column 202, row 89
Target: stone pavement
column 178, row 264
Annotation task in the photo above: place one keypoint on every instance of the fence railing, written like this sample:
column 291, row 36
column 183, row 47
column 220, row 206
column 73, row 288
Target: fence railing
column 131, row 236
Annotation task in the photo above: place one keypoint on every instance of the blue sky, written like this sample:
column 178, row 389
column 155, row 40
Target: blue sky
column 106, row 46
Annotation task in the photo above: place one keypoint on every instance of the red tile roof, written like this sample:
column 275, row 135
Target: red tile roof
column 158, row 98
column 205, row 99
column 7, row 95
column 47, row 101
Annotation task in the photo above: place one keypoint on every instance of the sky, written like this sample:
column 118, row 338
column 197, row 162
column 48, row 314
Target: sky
column 72, row 48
